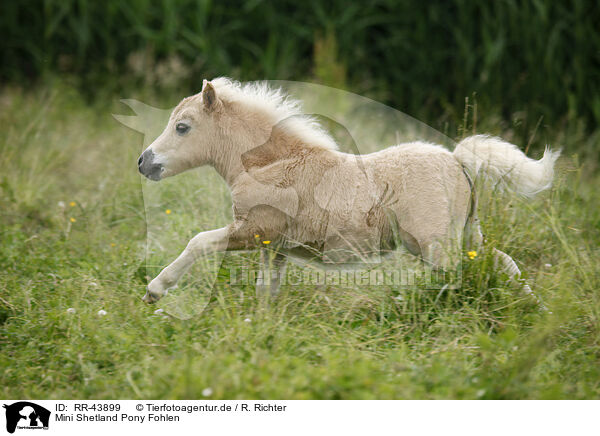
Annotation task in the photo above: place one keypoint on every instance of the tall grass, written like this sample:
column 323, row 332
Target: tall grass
column 63, row 159
column 534, row 60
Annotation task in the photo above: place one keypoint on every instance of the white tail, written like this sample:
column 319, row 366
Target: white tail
column 504, row 163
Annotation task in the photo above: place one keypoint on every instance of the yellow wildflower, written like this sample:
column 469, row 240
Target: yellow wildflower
column 112, row 244
column 168, row 211
column 72, row 204
column 257, row 236
column 472, row 254
column 266, row 242
column 72, row 219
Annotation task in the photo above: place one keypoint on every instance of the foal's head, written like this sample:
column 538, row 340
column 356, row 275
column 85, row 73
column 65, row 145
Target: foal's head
column 185, row 142
column 224, row 120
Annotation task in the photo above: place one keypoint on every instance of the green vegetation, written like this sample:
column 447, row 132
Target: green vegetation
column 73, row 219
column 73, row 232
column 530, row 61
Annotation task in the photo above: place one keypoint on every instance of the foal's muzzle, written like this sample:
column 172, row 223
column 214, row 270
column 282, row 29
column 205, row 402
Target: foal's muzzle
column 147, row 166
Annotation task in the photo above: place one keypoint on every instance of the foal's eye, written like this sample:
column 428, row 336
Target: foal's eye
column 182, row 128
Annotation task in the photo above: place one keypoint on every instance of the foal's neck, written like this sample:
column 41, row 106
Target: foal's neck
column 257, row 149
column 227, row 153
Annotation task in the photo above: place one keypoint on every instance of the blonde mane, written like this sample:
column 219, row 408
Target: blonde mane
column 282, row 111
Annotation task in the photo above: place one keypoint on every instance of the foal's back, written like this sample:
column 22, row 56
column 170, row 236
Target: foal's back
column 427, row 191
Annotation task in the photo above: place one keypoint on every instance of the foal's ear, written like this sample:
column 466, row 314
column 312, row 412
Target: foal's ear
column 209, row 95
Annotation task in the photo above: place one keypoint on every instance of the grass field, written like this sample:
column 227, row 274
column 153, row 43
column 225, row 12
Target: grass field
column 73, row 235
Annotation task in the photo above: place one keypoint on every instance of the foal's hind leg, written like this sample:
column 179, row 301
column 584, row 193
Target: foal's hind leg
column 502, row 261
column 506, row 264
column 443, row 251
column 442, row 258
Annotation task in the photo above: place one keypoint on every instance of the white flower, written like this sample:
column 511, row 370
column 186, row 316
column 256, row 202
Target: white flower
column 548, row 265
column 71, row 310
column 158, row 311
column 207, row 392
column 247, row 320
column 101, row 312
column 61, row 204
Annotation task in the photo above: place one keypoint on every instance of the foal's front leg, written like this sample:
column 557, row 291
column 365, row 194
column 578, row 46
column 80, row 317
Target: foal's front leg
column 272, row 270
column 200, row 245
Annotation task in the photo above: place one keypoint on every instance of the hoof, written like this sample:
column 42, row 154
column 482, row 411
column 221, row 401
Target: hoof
column 150, row 298
column 155, row 291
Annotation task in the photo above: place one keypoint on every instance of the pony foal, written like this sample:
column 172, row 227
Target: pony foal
column 291, row 186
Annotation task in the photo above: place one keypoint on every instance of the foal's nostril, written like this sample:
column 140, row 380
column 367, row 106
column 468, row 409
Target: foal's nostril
column 140, row 160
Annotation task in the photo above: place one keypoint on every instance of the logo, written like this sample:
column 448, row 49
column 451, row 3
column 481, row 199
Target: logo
column 26, row 415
